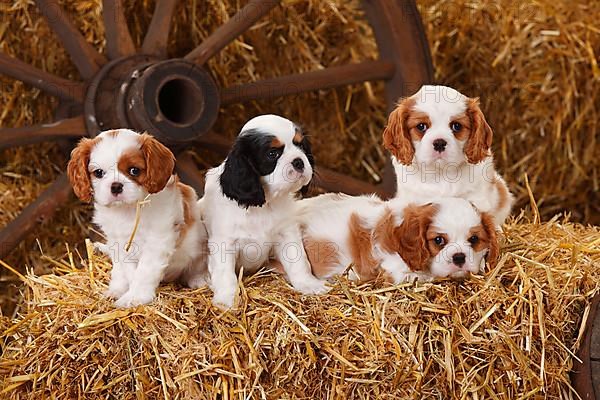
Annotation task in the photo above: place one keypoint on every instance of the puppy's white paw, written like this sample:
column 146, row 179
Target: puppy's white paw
column 198, row 281
column 224, row 300
column 115, row 290
column 312, row 286
column 134, row 298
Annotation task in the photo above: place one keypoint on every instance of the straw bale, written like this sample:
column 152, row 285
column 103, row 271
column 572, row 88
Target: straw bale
column 508, row 334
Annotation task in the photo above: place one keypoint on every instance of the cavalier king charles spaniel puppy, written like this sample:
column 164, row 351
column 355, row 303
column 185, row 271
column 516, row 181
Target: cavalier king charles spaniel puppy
column 248, row 204
column 440, row 144
column 118, row 169
column 445, row 238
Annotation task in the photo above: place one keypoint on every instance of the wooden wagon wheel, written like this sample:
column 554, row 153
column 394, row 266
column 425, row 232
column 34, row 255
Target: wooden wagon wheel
column 177, row 100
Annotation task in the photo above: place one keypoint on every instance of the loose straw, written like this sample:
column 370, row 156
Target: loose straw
column 138, row 215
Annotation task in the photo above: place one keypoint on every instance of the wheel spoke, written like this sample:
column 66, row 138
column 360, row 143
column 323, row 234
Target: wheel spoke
column 52, row 84
column 84, row 56
column 234, row 27
column 157, row 37
column 118, row 39
column 34, row 214
column 189, row 174
column 335, row 182
column 62, row 129
column 309, row 81
column 324, row 178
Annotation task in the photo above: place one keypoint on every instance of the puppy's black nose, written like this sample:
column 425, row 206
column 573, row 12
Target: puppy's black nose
column 459, row 259
column 298, row 164
column 439, row 145
column 116, row 188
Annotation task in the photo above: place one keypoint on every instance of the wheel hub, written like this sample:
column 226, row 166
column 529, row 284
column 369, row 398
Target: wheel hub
column 175, row 100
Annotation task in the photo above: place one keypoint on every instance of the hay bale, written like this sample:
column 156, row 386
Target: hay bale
column 508, row 334
column 535, row 66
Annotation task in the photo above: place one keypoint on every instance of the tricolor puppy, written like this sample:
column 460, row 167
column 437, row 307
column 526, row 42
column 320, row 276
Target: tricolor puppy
column 445, row 238
column 248, row 205
column 116, row 170
column 440, row 143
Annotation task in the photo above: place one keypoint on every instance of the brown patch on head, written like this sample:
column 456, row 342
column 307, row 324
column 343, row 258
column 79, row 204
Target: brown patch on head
column 298, row 137
column 276, row 143
column 160, row 163
column 113, row 133
column 435, row 248
column 361, row 249
column 465, row 121
column 412, row 238
column 479, row 143
column 397, row 135
column 323, row 256
column 77, row 169
column 133, row 158
column 188, row 198
column 487, row 234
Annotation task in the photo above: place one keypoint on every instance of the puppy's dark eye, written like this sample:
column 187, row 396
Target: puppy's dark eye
column 273, row 154
column 422, row 127
column 98, row 173
column 134, row 171
column 439, row 240
column 456, row 127
column 473, row 239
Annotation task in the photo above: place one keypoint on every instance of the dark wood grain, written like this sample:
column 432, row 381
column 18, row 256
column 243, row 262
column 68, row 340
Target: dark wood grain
column 62, row 129
column 156, row 40
column 118, row 39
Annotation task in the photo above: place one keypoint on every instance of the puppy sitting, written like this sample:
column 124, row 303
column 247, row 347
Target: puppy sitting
column 440, row 143
column 446, row 238
column 117, row 169
column 248, row 203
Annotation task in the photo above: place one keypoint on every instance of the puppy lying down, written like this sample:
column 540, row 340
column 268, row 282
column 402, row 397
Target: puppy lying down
column 445, row 238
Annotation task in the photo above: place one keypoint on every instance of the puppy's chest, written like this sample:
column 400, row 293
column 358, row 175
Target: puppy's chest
column 258, row 228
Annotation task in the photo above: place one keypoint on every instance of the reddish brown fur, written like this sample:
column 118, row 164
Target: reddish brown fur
column 133, row 158
column 491, row 236
column 480, row 139
column 188, row 199
column 397, row 136
column 465, row 121
column 298, row 137
column 77, row 169
column 160, row 163
column 412, row 236
column 322, row 254
column 434, row 248
column 361, row 249
column 276, row 143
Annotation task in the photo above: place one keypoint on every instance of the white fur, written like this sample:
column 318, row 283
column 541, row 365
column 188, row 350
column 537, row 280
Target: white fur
column 326, row 218
column 448, row 173
column 248, row 237
column 153, row 256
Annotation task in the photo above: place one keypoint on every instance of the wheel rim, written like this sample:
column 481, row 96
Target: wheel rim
column 141, row 89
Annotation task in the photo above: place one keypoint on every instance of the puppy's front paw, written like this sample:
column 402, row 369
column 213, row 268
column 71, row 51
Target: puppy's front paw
column 312, row 286
column 198, row 281
column 134, row 298
column 224, row 301
column 115, row 290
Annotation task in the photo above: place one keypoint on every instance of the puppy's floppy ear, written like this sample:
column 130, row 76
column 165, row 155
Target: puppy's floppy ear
column 489, row 226
column 77, row 169
column 396, row 135
column 412, row 235
column 479, row 143
column 160, row 163
column 240, row 181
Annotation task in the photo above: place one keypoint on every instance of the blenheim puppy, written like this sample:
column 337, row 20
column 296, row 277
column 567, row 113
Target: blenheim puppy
column 117, row 169
column 445, row 238
column 248, row 205
column 440, row 144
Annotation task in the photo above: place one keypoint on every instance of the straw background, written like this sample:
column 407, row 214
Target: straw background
column 534, row 64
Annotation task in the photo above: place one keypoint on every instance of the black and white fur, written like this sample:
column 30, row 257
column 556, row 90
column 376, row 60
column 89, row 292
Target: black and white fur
column 248, row 207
